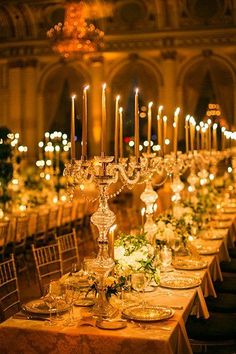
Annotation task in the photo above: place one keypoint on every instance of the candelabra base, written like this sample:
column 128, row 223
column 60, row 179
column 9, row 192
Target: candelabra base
column 103, row 308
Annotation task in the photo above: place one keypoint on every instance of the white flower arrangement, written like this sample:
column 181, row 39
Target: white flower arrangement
column 133, row 253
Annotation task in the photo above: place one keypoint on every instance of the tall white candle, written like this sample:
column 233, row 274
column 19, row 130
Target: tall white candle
column 159, row 126
column 164, row 133
column 104, row 118
column 121, row 131
column 85, row 123
column 116, row 147
column 149, row 132
column 136, row 124
column 187, row 133
column 176, row 119
column 72, row 127
column 215, row 126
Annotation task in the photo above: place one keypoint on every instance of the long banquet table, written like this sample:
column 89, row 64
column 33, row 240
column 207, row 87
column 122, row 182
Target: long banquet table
column 165, row 337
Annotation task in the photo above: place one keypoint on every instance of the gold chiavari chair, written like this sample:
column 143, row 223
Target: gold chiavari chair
column 19, row 247
column 48, row 264
column 4, row 231
column 68, row 250
column 53, row 222
column 80, row 213
column 66, row 218
column 42, row 221
column 9, row 289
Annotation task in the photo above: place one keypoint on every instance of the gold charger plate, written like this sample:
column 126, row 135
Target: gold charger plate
column 148, row 313
column 39, row 307
column 207, row 251
column 189, row 264
column 180, row 282
column 84, row 302
column 104, row 324
column 212, row 237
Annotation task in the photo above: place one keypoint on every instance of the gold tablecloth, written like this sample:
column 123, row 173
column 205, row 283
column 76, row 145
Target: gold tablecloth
column 34, row 337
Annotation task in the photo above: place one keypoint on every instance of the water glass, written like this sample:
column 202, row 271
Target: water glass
column 166, row 258
column 139, row 282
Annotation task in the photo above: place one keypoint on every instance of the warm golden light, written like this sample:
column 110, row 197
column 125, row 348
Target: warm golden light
column 75, row 36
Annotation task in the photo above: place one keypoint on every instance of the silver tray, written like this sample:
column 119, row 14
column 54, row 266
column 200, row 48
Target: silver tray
column 148, row 313
column 179, row 282
column 39, row 307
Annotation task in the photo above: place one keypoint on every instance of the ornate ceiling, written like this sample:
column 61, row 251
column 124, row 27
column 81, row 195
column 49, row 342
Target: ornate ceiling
column 128, row 24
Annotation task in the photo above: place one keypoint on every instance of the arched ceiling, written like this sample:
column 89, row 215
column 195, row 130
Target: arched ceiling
column 32, row 18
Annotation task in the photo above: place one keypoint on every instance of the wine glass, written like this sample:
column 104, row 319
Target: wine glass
column 166, row 259
column 75, row 268
column 56, row 291
column 70, row 293
column 175, row 245
column 138, row 282
column 49, row 300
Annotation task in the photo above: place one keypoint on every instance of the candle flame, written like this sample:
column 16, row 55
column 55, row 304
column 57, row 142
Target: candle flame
column 160, row 108
column 187, row 117
column 201, row 124
column 86, row 88
column 223, row 129
column 209, row 121
column 177, row 111
column 143, row 210
column 150, row 104
column 174, row 124
column 164, row 118
column 104, row 86
column 113, row 227
column 136, row 91
column 73, row 97
column 121, row 109
column 117, row 98
column 197, row 128
column 215, row 125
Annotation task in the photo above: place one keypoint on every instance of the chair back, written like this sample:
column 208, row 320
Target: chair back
column 53, row 218
column 68, row 250
column 48, row 264
column 4, row 231
column 42, row 221
column 66, row 215
column 21, row 230
column 9, row 289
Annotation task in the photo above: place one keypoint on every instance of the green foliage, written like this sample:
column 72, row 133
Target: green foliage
column 131, row 243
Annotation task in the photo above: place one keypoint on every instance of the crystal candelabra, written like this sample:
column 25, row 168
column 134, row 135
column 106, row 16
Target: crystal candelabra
column 103, row 171
column 176, row 165
column 149, row 196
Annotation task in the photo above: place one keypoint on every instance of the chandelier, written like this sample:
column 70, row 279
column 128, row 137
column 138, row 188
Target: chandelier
column 75, row 36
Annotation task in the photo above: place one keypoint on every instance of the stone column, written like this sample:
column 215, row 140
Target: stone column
column 15, row 96
column 95, row 106
column 169, row 89
column 29, row 124
column 3, row 95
